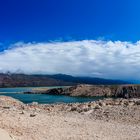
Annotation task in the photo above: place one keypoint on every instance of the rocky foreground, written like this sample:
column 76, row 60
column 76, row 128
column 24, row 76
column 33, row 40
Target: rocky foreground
column 107, row 119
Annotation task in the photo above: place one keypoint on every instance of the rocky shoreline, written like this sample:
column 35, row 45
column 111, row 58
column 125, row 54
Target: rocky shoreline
column 77, row 121
column 121, row 91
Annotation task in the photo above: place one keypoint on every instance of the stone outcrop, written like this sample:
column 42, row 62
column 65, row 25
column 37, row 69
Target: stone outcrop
column 123, row 91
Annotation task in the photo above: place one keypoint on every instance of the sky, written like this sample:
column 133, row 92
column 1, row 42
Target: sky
column 98, row 38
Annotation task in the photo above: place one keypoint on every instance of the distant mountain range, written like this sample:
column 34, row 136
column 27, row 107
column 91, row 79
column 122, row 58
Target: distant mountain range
column 23, row 80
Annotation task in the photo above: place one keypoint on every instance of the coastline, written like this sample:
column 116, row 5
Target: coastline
column 84, row 90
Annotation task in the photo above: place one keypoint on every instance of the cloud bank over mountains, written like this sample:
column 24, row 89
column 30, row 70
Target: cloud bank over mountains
column 106, row 59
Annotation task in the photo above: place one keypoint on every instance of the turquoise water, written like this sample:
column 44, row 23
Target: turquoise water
column 42, row 98
column 23, row 89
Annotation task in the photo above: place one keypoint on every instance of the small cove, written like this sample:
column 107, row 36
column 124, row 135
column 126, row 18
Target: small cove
column 43, row 98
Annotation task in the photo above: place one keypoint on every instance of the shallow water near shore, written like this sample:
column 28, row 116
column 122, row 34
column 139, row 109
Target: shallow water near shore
column 43, row 98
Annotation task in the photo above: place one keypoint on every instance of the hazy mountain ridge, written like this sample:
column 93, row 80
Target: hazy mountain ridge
column 23, row 80
column 86, row 80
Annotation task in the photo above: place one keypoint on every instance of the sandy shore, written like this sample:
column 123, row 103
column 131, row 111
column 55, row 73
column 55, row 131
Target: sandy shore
column 103, row 120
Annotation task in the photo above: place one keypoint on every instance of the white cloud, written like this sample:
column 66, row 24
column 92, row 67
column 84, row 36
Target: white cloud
column 107, row 59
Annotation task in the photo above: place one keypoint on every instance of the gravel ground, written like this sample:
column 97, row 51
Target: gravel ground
column 103, row 120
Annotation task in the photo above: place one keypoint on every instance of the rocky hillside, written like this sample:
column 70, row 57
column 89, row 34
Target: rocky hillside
column 124, row 91
column 22, row 80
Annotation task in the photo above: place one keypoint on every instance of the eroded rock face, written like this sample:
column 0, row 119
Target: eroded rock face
column 130, row 91
column 88, row 90
column 123, row 91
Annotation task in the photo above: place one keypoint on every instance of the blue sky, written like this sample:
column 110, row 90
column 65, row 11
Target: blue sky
column 98, row 38
column 44, row 20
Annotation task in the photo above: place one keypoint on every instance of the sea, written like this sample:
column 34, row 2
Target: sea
column 17, row 93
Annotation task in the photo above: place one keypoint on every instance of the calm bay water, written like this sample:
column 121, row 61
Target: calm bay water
column 42, row 98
